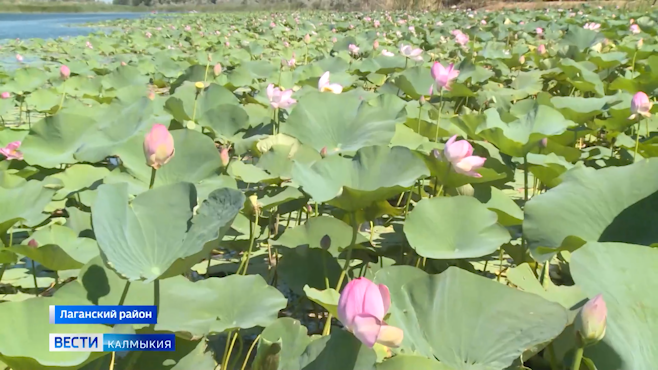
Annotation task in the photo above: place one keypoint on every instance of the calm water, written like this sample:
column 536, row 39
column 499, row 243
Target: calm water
column 53, row 25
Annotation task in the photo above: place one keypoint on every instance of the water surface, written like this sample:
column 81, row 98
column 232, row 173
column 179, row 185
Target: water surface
column 53, row 25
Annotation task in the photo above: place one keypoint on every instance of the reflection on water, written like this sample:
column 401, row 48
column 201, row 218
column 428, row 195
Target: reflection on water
column 53, row 25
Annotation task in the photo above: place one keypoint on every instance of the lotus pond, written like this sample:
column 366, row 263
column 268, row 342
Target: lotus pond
column 463, row 190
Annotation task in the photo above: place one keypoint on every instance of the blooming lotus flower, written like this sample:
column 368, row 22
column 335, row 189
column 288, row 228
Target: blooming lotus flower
column 11, row 151
column 158, row 146
column 272, row 24
column 64, row 71
column 460, row 155
column 375, row 23
column 89, row 45
column 592, row 26
column 443, row 76
column 590, row 324
column 409, row 52
column 148, row 34
column 541, row 49
column 635, row 28
column 361, row 308
column 353, row 49
column 19, row 58
column 280, row 98
column 5, row 95
column 460, row 37
column 640, row 104
column 539, row 31
column 324, row 85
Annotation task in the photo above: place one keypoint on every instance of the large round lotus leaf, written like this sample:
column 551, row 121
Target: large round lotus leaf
column 453, row 228
column 375, row 173
column 22, row 322
column 143, row 237
column 24, row 201
column 27, row 79
column 403, row 362
column 338, row 351
column 317, row 228
column 581, row 38
column 124, row 76
column 79, row 177
column 59, row 248
column 340, row 122
column 303, row 266
column 196, row 159
column 216, row 308
column 626, row 276
column 518, row 137
column 611, row 204
column 415, row 82
column 43, row 100
column 291, row 335
column 459, row 318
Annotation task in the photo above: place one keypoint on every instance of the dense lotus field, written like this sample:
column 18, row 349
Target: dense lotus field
column 463, row 190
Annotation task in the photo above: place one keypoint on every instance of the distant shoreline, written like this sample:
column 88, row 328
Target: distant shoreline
column 98, row 8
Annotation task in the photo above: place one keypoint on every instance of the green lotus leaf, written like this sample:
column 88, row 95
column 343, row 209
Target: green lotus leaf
column 453, row 228
column 24, row 201
column 401, row 362
column 476, row 311
column 44, row 100
column 341, row 123
column 509, row 213
column 415, row 82
column 338, row 351
column 581, row 38
column 548, row 168
column 375, row 173
column 79, row 177
column 293, row 338
column 316, row 228
column 29, row 319
column 59, row 248
column 124, row 76
column 27, row 79
column 327, row 298
column 594, row 205
column 623, row 274
column 162, row 223
column 303, row 266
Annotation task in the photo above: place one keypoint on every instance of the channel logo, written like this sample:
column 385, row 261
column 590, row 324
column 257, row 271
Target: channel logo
column 111, row 342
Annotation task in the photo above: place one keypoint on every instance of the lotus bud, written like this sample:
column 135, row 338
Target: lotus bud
column 543, row 143
column 422, row 99
column 253, row 201
column 436, row 153
column 217, row 69
column 640, row 104
column 325, row 242
column 307, row 38
column 522, row 59
column 640, row 43
column 308, row 209
column 64, row 71
column 151, row 95
column 541, row 49
column 223, row 154
column 5, row 95
column 158, row 146
column 375, row 45
column 323, row 152
column 32, row 243
column 590, row 324
column 123, row 64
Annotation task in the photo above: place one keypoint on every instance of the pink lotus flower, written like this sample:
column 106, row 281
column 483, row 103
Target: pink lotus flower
column 460, row 155
column 592, row 26
column 324, row 85
column 635, row 28
column 307, row 38
column 19, row 58
column 5, row 95
column 158, row 146
column 376, row 23
column 409, row 52
column 640, row 104
column 89, row 45
column 591, row 322
column 223, row 155
column 361, row 308
column 541, row 49
column 11, row 151
column 460, row 37
column 353, row 49
column 272, row 24
column 443, row 76
column 217, row 69
column 188, row 28
column 483, row 22
column 375, row 45
column 64, row 71
column 280, row 98
column 539, row 31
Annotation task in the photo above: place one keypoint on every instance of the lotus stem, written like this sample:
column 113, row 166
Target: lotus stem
column 355, row 230
column 34, row 276
column 327, row 326
column 124, row 294
column 252, row 237
column 275, row 128
column 156, row 300
column 551, row 357
column 205, row 76
column 2, row 270
column 152, row 181
column 61, row 102
column 227, row 354
column 438, row 117
column 500, row 268
column 240, row 348
column 525, row 178
column 637, row 139
column 577, row 358
column 251, row 348
column 420, row 111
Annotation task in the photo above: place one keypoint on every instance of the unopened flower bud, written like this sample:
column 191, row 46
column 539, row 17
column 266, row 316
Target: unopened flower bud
column 217, row 69
column 323, row 152
column 64, row 72
column 590, row 324
column 543, row 143
column 253, row 200
column 223, row 154
column 32, row 243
